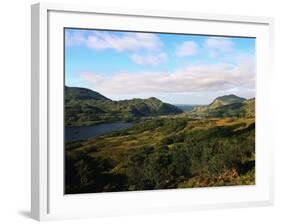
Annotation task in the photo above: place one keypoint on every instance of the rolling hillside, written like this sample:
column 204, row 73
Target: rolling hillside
column 226, row 100
column 226, row 106
column 86, row 107
column 165, row 153
column 212, row 145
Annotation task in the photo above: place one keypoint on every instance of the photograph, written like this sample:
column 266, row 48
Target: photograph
column 155, row 111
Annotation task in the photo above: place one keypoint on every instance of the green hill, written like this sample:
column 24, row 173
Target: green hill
column 226, row 106
column 226, row 100
column 86, row 107
column 242, row 109
column 77, row 93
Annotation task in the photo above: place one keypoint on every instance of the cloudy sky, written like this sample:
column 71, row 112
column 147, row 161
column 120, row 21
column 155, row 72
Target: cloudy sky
column 176, row 68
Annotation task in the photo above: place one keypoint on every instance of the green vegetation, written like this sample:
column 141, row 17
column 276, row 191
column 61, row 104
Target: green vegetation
column 226, row 106
column 209, row 146
column 86, row 107
column 165, row 153
column 226, row 100
column 76, row 93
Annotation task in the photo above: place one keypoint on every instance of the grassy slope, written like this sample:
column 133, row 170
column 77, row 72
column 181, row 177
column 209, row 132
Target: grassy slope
column 174, row 132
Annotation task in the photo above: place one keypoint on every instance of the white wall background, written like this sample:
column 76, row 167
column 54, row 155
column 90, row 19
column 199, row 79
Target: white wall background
column 15, row 110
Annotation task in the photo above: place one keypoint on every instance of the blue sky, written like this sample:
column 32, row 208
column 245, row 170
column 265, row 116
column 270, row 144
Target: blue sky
column 176, row 68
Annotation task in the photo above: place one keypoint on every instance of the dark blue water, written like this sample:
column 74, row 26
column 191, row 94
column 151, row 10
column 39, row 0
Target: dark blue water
column 84, row 132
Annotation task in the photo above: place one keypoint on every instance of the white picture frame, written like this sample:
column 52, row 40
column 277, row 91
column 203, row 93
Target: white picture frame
column 47, row 198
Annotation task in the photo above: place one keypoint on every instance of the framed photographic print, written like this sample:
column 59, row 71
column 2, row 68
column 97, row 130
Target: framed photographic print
column 148, row 111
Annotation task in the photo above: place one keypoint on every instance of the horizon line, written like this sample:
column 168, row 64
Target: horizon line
column 189, row 104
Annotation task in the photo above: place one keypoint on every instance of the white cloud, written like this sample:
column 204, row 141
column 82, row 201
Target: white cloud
column 192, row 79
column 75, row 38
column 218, row 45
column 145, row 48
column 187, row 48
column 149, row 59
column 102, row 40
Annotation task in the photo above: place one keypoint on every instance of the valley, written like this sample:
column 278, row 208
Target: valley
column 166, row 147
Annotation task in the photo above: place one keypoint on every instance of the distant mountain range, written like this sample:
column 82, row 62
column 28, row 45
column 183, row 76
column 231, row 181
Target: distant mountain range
column 86, row 107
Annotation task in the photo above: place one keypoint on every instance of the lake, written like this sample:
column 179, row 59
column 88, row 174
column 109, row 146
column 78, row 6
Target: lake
column 84, row 132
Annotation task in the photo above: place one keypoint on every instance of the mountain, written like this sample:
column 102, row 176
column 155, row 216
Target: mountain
column 87, row 107
column 76, row 93
column 242, row 109
column 226, row 106
column 226, row 100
